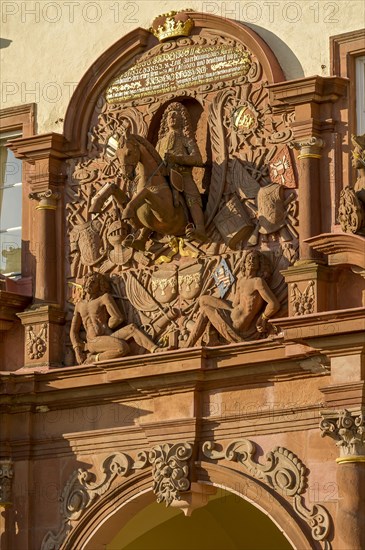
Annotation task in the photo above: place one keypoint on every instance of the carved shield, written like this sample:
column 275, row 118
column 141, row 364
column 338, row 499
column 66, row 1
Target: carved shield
column 164, row 285
column 190, row 280
column 233, row 222
column 271, row 211
column 89, row 242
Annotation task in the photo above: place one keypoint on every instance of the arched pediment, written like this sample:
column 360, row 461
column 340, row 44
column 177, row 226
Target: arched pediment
column 94, row 511
column 125, row 51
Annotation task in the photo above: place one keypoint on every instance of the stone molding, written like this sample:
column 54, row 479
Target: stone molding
column 171, row 472
column 348, row 430
column 285, row 473
column 11, row 304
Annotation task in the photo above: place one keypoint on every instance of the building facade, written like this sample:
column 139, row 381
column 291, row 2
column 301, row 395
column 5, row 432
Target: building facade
column 182, row 289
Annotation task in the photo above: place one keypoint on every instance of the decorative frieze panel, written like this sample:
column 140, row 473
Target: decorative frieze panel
column 172, row 482
column 184, row 186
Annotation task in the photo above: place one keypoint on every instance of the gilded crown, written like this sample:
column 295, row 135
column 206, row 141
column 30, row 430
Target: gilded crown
column 172, row 24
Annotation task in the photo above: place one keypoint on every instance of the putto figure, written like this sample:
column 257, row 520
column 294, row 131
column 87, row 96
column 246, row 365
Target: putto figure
column 99, row 315
column 179, row 150
column 236, row 323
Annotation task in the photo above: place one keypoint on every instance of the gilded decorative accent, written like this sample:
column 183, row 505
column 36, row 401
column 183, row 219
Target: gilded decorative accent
column 167, row 25
column 309, row 147
column 47, row 199
column 193, row 65
column 350, row 459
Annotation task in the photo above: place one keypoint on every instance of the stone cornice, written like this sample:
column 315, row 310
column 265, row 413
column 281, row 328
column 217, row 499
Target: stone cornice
column 11, row 303
column 341, row 248
column 157, row 374
column 316, row 89
column 324, row 329
column 38, row 147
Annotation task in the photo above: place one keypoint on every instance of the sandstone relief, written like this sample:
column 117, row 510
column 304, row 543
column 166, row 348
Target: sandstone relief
column 351, row 212
column 185, row 205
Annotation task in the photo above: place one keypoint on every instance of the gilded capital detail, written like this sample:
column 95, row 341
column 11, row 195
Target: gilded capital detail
column 348, row 430
column 309, row 147
column 47, row 199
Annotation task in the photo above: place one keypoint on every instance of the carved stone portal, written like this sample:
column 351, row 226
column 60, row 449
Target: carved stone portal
column 187, row 170
column 171, row 465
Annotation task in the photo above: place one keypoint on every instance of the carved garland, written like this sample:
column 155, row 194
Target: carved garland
column 285, row 473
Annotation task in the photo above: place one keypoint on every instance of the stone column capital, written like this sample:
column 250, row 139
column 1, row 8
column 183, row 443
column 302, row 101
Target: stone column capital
column 47, row 199
column 348, row 430
column 308, row 147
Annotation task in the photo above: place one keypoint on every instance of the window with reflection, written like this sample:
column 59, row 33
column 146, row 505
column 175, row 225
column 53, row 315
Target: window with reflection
column 360, row 95
column 10, row 208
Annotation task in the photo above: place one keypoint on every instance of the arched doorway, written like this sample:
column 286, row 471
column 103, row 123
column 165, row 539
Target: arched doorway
column 227, row 522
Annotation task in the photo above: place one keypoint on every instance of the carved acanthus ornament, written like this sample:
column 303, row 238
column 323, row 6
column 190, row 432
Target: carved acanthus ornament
column 302, row 301
column 284, row 472
column 6, row 477
column 170, row 470
column 36, row 343
column 348, row 430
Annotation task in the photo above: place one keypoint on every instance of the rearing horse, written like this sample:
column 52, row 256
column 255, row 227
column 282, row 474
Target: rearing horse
column 153, row 204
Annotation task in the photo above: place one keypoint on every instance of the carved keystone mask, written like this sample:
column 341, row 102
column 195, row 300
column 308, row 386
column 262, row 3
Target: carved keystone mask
column 164, row 285
column 190, row 281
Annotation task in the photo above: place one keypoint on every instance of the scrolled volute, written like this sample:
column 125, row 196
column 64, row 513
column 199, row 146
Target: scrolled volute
column 284, row 472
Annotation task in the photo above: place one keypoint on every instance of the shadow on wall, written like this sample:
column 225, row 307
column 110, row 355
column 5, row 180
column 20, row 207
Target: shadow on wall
column 289, row 62
column 4, row 43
